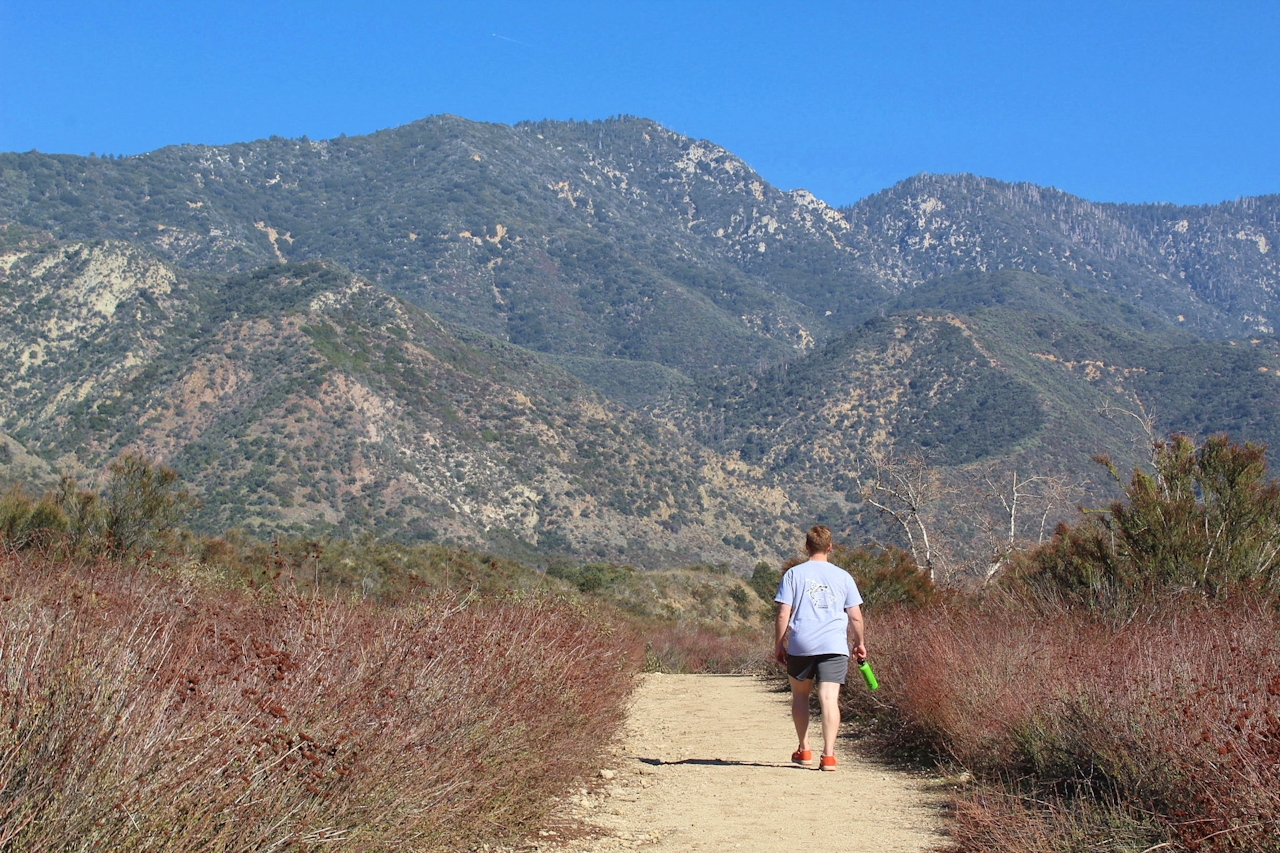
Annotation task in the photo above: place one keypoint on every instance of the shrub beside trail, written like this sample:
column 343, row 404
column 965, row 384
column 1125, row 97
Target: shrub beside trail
column 1078, row 733
column 1119, row 690
column 139, row 711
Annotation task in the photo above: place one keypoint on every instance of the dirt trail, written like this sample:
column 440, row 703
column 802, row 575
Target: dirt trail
column 704, row 765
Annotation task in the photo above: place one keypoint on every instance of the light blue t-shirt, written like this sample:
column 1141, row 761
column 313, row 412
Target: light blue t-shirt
column 818, row 593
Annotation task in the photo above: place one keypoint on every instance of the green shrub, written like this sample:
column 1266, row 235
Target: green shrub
column 885, row 576
column 764, row 580
column 591, row 577
column 1207, row 518
column 26, row 521
column 140, row 504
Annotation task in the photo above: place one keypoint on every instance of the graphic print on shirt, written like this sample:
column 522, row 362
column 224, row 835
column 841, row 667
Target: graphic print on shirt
column 820, row 595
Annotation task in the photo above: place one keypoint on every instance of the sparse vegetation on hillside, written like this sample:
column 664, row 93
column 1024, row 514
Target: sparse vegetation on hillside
column 486, row 225
column 1193, row 266
column 741, row 336
column 299, row 400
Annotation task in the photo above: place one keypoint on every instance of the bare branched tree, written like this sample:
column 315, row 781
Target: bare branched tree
column 1058, row 492
column 1146, row 421
column 1016, row 498
column 903, row 488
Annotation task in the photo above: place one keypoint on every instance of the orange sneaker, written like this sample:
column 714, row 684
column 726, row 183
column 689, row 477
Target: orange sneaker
column 828, row 762
column 802, row 756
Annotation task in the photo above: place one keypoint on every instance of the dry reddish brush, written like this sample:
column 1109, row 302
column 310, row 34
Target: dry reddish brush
column 1119, row 689
column 678, row 647
column 139, row 712
column 1165, row 729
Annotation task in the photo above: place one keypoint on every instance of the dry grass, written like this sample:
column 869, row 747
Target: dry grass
column 682, row 647
column 149, row 713
column 1088, row 735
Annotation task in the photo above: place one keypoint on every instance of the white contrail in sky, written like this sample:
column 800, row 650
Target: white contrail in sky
column 504, row 38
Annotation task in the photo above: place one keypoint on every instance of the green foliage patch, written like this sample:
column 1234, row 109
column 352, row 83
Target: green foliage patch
column 1206, row 519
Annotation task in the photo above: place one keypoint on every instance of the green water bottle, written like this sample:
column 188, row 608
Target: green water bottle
column 867, row 675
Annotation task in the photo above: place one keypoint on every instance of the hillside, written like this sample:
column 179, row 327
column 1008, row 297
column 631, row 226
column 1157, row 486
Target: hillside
column 518, row 230
column 599, row 338
column 985, row 375
column 1212, row 268
column 301, row 398
column 532, row 233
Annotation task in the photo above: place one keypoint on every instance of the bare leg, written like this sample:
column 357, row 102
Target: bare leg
column 800, row 709
column 829, row 702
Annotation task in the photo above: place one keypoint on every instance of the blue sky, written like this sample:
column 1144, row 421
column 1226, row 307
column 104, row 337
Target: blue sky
column 1140, row 101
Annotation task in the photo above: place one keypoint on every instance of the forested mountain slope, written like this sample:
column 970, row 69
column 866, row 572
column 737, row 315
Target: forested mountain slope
column 598, row 337
column 1213, row 268
column 534, row 233
column 984, row 373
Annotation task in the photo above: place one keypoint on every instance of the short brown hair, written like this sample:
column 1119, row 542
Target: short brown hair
column 818, row 539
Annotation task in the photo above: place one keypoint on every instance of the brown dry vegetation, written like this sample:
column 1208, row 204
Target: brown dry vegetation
column 1081, row 733
column 1120, row 690
column 139, row 711
column 689, row 647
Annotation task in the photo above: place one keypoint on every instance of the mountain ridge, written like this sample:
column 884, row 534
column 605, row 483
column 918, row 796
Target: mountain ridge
column 634, row 182
column 599, row 338
column 1180, row 252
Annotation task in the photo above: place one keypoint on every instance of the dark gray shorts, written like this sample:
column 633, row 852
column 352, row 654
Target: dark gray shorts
column 828, row 668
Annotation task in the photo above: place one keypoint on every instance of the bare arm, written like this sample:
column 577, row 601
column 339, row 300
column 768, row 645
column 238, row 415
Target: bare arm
column 780, row 633
column 859, row 638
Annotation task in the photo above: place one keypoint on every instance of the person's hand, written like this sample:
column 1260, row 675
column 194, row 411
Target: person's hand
column 860, row 652
column 780, row 653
